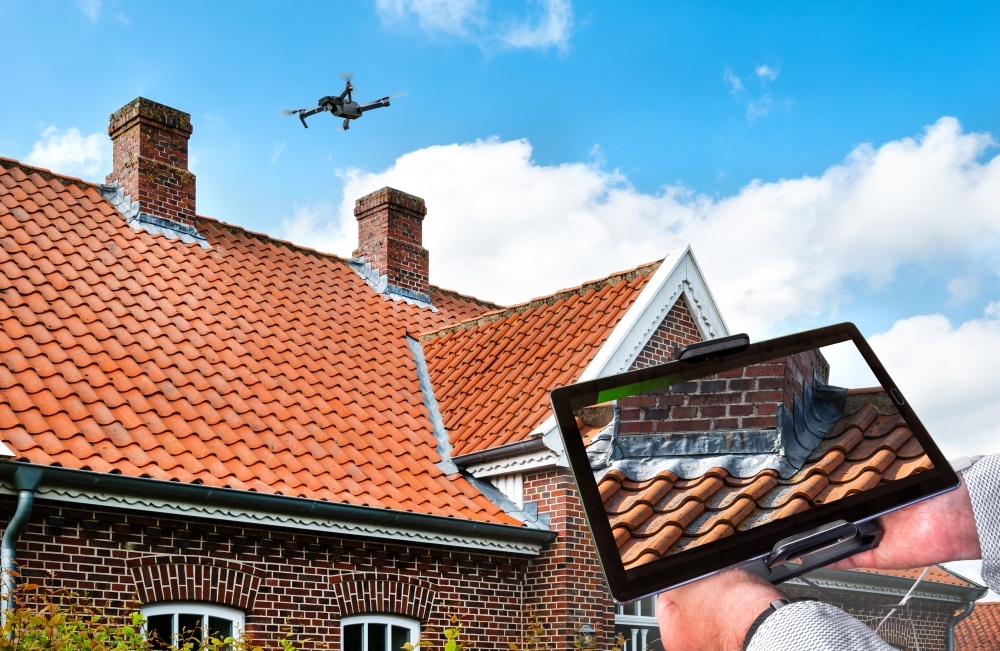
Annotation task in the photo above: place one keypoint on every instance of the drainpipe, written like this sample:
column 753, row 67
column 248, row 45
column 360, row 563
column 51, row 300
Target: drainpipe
column 950, row 639
column 26, row 480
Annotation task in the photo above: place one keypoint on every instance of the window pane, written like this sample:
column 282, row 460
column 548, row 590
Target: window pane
column 377, row 637
column 220, row 627
column 161, row 631
column 190, row 627
column 353, row 636
column 400, row 636
column 648, row 606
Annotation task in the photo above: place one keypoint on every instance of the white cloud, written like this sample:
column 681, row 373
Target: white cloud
column 502, row 227
column 449, row 16
column 947, row 373
column 758, row 103
column 552, row 29
column 90, row 8
column 277, row 149
column 472, row 20
column 766, row 73
column 70, row 152
column 735, row 83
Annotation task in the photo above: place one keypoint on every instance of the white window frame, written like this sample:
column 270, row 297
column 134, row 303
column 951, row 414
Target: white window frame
column 391, row 620
column 639, row 639
column 206, row 610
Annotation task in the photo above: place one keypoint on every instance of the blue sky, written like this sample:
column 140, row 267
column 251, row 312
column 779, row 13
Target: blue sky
column 827, row 161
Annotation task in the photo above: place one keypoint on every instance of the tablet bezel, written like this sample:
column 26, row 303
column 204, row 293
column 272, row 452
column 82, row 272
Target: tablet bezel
column 744, row 546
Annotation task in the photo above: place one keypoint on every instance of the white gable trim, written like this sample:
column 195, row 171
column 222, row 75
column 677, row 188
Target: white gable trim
column 679, row 275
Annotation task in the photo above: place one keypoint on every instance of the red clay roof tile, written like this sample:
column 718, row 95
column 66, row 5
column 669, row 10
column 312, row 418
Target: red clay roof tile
column 863, row 449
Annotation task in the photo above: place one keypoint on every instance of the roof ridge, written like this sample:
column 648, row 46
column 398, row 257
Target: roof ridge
column 467, row 297
column 48, row 174
column 550, row 299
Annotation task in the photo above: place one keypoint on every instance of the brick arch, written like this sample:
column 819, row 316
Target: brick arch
column 368, row 593
column 182, row 578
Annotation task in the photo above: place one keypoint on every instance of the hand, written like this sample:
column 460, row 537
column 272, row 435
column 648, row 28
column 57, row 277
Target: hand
column 714, row 612
column 937, row 530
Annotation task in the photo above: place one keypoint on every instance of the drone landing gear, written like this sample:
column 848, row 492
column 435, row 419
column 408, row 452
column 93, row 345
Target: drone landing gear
column 796, row 555
column 347, row 124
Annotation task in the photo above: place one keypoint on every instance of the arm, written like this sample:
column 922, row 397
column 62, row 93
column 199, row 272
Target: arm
column 959, row 525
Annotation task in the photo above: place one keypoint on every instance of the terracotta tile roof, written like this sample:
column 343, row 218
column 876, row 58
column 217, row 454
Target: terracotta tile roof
column 492, row 375
column 667, row 514
column 254, row 365
column 980, row 631
column 937, row 574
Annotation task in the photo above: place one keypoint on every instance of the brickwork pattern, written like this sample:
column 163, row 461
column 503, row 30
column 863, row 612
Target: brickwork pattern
column 677, row 330
column 744, row 398
column 150, row 159
column 565, row 585
column 390, row 238
column 301, row 579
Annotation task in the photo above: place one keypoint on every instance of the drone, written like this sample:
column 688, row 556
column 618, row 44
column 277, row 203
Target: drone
column 342, row 106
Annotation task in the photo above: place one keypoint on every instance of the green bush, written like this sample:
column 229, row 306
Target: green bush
column 57, row 620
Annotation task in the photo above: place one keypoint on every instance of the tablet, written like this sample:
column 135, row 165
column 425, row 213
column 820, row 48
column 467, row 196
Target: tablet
column 777, row 456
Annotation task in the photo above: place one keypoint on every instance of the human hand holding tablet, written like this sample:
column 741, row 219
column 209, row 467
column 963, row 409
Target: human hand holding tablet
column 775, row 456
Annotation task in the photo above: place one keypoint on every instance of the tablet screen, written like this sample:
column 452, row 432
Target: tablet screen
column 685, row 469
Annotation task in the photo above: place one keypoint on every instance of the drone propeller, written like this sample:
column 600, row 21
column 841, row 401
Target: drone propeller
column 290, row 111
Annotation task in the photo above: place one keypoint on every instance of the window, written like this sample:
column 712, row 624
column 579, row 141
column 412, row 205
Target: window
column 637, row 623
column 174, row 623
column 377, row 633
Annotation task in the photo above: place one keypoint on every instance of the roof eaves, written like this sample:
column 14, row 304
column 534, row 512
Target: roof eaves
column 85, row 485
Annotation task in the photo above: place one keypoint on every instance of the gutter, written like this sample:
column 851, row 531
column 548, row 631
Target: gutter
column 500, row 452
column 953, row 622
column 281, row 505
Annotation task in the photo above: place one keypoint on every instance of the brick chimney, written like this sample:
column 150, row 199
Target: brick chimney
column 390, row 237
column 150, row 182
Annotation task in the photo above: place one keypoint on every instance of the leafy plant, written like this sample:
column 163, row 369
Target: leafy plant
column 59, row 620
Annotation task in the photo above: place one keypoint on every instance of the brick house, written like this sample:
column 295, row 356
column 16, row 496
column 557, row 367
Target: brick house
column 227, row 430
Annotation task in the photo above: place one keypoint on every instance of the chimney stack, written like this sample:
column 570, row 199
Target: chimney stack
column 390, row 237
column 151, row 167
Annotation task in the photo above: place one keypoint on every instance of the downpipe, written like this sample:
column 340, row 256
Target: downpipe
column 950, row 640
column 8, row 551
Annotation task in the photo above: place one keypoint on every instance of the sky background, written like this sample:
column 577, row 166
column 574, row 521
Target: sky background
column 826, row 161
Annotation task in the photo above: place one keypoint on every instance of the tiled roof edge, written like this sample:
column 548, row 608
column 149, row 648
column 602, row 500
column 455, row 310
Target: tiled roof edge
column 211, row 496
column 48, row 174
column 552, row 299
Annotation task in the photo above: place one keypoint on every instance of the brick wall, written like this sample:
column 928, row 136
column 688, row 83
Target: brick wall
column 675, row 331
column 744, row 398
column 280, row 577
column 150, row 159
column 565, row 586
